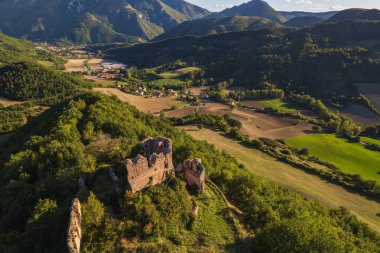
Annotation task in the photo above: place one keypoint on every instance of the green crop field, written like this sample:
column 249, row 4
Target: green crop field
column 281, row 104
column 166, row 82
column 351, row 158
column 179, row 72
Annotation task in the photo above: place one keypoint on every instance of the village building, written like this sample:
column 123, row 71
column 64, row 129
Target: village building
column 193, row 172
column 151, row 169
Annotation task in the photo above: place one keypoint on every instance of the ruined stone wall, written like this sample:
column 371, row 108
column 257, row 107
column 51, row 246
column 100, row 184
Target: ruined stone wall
column 74, row 233
column 152, row 169
column 194, row 172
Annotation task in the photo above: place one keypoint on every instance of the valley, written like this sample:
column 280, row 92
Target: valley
column 161, row 126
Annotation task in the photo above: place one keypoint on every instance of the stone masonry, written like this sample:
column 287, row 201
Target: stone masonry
column 193, row 172
column 153, row 168
column 74, row 233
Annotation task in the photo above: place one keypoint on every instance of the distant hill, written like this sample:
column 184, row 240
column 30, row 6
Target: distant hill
column 355, row 14
column 257, row 8
column 294, row 14
column 301, row 22
column 88, row 21
column 203, row 27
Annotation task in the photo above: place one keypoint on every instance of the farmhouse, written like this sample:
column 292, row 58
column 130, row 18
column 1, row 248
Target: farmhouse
column 193, row 172
column 153, row 168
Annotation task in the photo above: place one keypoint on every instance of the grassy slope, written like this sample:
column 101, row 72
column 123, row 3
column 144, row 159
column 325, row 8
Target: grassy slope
column 280, row 104
column 317, row 189
column 352, row 158
column 12, row 50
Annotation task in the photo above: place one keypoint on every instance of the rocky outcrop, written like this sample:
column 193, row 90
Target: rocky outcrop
column 193, row 172
column 153, row 168
column 74, row 234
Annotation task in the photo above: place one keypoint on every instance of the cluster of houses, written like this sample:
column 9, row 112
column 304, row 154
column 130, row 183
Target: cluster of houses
column 106, row 69
column 72, row 51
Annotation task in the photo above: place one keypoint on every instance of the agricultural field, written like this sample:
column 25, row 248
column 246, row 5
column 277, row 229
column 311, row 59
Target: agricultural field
column 76, row 65
column 307, row 185
column 46, row 63
column 372, row 92
column 166, row 82
column 147, row 105
column 254, row 124
column 360, row 114
column 179, row 72
column 351, row 158
column 280, row 104
column 169, row 78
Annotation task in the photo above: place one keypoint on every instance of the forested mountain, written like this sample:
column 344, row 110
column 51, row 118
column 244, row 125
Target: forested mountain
column 355, row 14
column 257, row 8
column 322, row 60
column 44, row 160
column 203, row 27
column 301, row 22
column 88, row 21
column 295, row 14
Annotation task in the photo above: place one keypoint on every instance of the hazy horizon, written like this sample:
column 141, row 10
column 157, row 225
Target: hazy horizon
column 293, row 5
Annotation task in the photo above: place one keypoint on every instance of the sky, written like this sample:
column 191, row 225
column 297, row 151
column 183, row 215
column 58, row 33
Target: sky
column 294, row 5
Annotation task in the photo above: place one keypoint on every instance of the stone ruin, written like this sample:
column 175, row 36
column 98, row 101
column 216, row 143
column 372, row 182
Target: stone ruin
column 193, row 172
column 153, row 168
column 74, row 233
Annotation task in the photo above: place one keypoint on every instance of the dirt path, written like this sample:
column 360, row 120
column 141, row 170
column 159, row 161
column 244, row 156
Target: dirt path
column 6, row 102
column 307, row 185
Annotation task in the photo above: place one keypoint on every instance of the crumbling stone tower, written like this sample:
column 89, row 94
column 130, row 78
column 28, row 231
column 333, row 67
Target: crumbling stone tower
column 193, row 172
column 153, row 168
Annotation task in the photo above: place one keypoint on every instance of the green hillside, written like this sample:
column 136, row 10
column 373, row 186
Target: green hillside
column 12, row 49
column 204, row 27
column 43, row 161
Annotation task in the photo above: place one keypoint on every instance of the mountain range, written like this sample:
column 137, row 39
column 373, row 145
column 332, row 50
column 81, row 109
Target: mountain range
column 136, row 21
column 88, row 21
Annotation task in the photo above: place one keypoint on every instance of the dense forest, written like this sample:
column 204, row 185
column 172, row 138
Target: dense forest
column 44, row 159
column 28, row 81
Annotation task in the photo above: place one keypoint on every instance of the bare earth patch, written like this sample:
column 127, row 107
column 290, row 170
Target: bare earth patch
column 254, row 124
column 307, row 185
column 360, row 114
column 6, row 102
column 147, row 105
column 372, row 92
column 75, row 65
